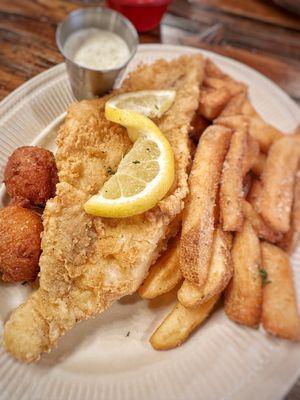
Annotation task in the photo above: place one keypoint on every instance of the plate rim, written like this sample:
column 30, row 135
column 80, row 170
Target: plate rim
column 30, row 85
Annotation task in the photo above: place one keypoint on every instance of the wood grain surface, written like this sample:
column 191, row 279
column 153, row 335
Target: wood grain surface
column 255, row 32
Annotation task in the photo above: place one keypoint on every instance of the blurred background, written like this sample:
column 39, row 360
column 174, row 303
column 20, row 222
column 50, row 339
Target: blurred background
column 259, row 33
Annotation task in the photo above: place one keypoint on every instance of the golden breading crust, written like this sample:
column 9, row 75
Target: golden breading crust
column 89, row 262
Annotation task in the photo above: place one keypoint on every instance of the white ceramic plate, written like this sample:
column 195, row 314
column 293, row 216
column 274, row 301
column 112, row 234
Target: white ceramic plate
column 109, row 357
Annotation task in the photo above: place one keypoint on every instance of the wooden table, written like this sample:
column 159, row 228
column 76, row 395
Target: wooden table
column 252, row 31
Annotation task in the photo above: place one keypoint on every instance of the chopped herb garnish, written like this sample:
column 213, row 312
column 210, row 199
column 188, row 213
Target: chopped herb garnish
column 156, row 106
column 136, row 162
column 264, row 276
column 147, row 149
column 128, row 334
column 110, row 171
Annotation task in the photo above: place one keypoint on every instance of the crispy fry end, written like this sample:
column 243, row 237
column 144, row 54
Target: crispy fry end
column 243, row 296
column 220, row 272
column 164, row 275
column 179, row 324
column 278, row 178
column 231, row 191
column 279, row 312
column 199, row 215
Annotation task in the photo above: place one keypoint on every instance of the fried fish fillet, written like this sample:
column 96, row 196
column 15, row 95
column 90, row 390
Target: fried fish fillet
column 89, row 262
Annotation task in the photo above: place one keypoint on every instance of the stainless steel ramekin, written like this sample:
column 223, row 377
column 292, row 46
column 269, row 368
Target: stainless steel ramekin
column 88, row 83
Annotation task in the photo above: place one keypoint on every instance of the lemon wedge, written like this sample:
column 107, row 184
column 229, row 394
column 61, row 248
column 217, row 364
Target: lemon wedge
column 150, row 103
column 146, row 172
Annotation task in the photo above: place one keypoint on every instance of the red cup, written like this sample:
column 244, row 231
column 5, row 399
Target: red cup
column 144, row 14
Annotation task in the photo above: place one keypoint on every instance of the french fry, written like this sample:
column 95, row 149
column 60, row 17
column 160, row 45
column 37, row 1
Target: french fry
column 263, row 132
column 199, row 214
column 262, row 229
column 291, row 238
column 251, row 155
column 234, row 106
column 215, row 78
column 165, row 274
column 179, row 324
column 279, row 312
column 232, row 121
column 231, row 190
column 216, row 91
column 278, row 178
column 212, row 101
column 232, row 86
column 220, row 272
column 259, row 164
column 243, row 296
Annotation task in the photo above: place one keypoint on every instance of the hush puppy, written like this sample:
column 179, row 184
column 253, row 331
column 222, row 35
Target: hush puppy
column 20, row 243
column 31, row 174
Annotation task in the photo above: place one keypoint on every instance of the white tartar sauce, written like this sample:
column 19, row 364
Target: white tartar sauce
column 97, row 49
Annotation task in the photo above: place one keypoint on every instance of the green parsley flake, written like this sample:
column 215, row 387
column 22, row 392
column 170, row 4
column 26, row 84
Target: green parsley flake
column 264, row 276
column 136, row 162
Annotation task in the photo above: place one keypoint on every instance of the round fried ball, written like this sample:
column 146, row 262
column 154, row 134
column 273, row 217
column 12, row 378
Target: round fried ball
column 20, row 243
column 31, row 174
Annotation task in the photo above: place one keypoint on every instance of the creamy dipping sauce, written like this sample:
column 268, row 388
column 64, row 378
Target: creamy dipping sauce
column 97, row 49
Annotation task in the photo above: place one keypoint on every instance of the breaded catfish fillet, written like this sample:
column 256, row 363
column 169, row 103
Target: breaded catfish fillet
column 89, row 262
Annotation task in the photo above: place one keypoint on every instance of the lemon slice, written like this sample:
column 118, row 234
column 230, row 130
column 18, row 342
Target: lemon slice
column 144, row 175
column 150, row 103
